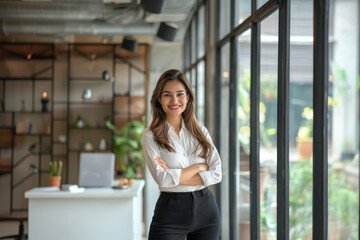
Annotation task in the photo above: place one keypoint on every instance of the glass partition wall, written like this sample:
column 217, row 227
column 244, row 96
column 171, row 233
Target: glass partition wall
column 280, row 73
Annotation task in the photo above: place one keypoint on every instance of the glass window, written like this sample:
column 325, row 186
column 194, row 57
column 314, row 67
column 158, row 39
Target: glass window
column 301, row 120
column 242, row 11
column 224, row 24
column 268, row 124
column 200, row 95
column 201, row 32
column 224, row 145
column 243, row 74
column 343, row 121
column 259, row 3
column 187, row 51
column 193, row 40
column 194, row 81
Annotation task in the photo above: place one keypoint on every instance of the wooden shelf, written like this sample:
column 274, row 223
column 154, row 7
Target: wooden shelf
column 24, row 79
column 91, row 103
column 26, row 112
column 92, row 128
column 89, row 80
column 32, row 134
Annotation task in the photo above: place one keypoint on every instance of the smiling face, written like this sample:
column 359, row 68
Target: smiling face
column 173, row 99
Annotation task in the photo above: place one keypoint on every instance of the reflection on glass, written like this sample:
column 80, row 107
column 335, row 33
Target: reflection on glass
column 242, row 11
column 201, row 32
column 200, row 95
column 300, row 120
column 224, row 148
column 243, row 108
column 343, row 124
column 268, row 125
column 224, row 25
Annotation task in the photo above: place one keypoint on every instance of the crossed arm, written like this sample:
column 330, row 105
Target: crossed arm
column 189, row 176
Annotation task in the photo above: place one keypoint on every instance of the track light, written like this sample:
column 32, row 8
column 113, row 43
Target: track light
column 154, row 6
column 129, row 44
column 167, row 31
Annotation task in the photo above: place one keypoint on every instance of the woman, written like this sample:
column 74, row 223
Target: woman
column 183, row 161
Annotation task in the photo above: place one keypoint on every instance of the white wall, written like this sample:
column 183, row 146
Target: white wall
column 346, row 57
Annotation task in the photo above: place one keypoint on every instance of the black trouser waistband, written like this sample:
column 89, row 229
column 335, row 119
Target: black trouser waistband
column 200, row 192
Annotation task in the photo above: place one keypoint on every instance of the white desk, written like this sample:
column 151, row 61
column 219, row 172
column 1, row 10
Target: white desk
column 92, row 215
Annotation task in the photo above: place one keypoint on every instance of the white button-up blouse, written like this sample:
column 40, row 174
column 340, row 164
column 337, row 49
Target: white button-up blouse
column 168, row 180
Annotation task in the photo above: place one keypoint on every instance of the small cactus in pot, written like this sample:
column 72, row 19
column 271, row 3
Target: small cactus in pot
column 55, row 170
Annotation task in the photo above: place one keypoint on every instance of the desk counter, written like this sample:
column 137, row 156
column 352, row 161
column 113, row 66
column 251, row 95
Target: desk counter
column 93, row 214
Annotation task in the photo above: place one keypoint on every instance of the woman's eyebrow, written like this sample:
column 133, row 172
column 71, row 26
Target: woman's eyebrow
column 176, row 91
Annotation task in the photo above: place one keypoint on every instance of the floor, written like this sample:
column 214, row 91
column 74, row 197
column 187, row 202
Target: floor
column 11, row 228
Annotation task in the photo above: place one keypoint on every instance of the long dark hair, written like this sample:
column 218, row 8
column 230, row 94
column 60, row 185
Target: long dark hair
column 158, row 124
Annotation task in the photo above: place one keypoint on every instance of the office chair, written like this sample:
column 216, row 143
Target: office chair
column 21, row 235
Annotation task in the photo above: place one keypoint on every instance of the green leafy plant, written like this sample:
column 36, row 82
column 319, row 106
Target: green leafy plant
column 300, row 199
column 266, row 133
column 128, row 146
column 55, row 169
column 305, row 131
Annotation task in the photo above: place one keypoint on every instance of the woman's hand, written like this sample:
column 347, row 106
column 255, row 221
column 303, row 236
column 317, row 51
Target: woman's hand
column 202, row 167
column 161, row 162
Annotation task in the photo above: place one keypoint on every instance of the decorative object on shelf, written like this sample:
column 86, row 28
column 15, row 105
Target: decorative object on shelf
column 88, row 147
column 20, row 128
column 79, row 122
column 128, row 147
column 30, row 128
column 102, row 144
column 87, row 94
column 106, row 75
column 55, row 170
column 44, row 102
column 62, row 138
column 22, row 106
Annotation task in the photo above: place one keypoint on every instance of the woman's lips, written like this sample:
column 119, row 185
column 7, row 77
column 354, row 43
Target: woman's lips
column 175, row 107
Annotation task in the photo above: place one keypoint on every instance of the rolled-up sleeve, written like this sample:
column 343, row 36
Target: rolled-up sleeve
column 164, row 178
column 214, row 174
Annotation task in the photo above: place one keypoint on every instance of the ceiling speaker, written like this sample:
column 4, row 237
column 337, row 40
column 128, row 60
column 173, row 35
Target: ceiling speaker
column 129, row 44
column 167, row 31
column 154, row 6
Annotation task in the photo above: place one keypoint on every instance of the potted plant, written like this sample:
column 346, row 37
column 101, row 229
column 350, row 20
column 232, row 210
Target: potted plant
column 343, row 204
column 55, row 170
column 304, row 137
column 128, row 147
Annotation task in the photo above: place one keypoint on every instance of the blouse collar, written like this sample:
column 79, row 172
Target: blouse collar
column 172, row 128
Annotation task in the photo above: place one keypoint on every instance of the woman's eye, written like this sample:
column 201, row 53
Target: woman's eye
column 180, row 94
column 166, row 95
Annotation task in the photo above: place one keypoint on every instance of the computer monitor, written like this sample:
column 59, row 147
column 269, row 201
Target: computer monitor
column 96, row 169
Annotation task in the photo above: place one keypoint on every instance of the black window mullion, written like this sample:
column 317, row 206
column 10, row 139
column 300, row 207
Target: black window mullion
column 218, row 118
column 283, row 122
column 233, row 142
column 254, row 133
column 320, row 100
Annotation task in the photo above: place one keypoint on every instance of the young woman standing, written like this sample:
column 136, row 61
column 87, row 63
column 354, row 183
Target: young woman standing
column 183, row 161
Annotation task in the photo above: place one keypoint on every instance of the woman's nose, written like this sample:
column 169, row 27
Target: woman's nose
column 174, row 100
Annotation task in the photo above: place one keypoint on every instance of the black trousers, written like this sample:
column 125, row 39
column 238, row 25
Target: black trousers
column 189, row 215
